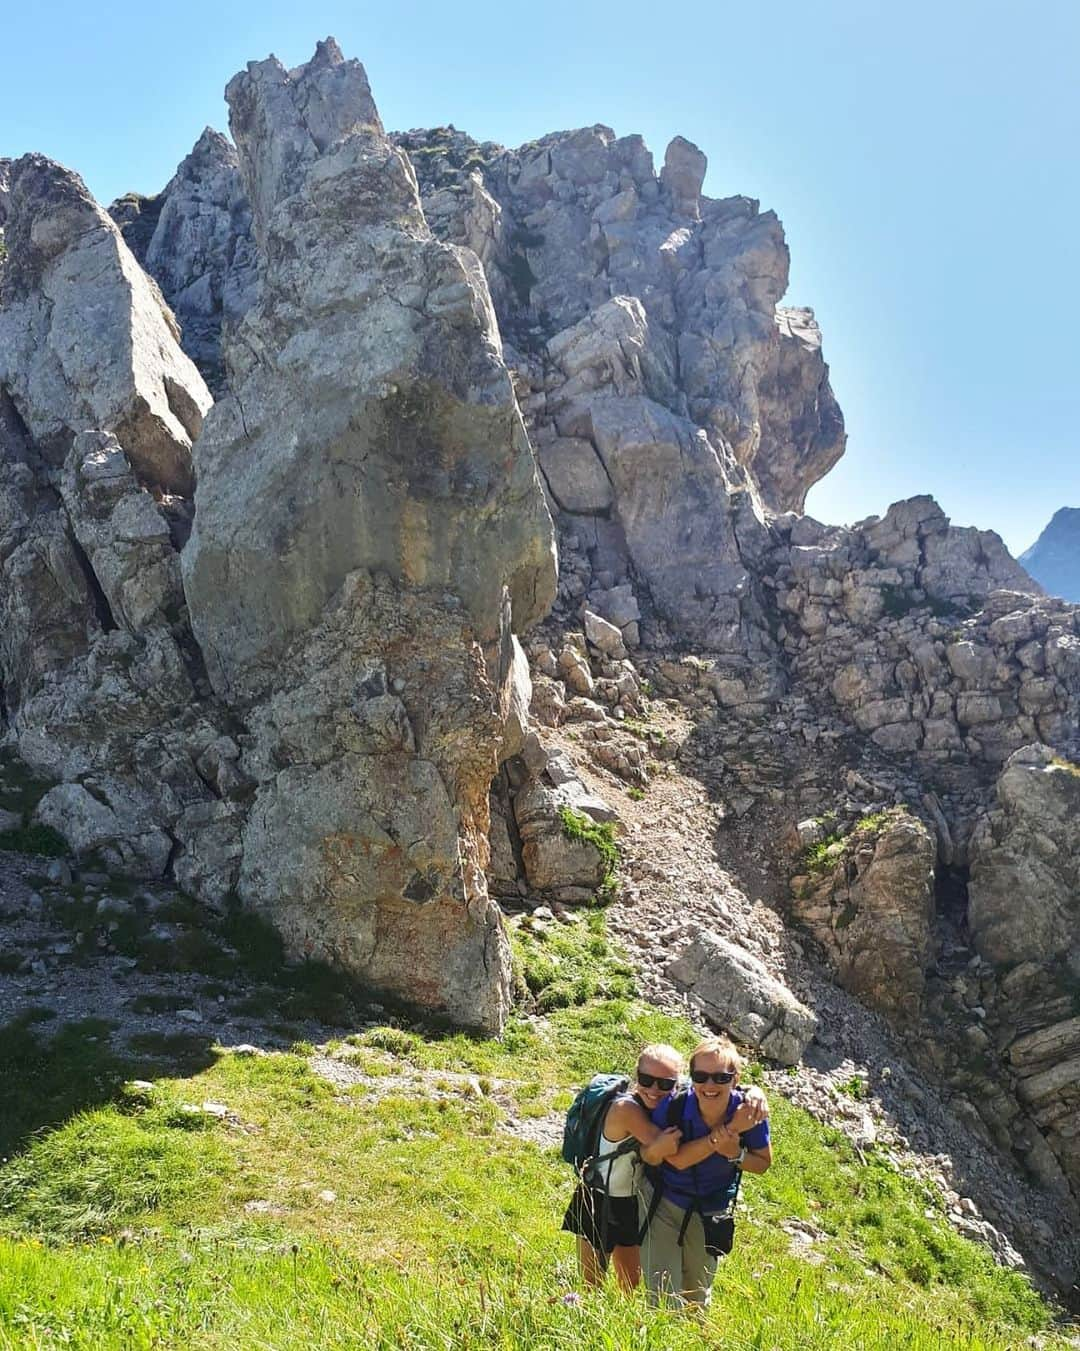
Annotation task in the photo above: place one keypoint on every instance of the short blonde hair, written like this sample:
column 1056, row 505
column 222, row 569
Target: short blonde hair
column 659, row 1050
column 717, row 1046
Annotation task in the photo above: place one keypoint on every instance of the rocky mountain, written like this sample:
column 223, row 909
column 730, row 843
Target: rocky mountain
column 353, row 585
column 1054, row 559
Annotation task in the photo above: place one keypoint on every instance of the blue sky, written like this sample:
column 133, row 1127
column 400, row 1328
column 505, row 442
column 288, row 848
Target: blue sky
column 923, row 158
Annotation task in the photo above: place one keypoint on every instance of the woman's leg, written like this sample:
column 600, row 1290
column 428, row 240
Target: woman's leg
column 699, row 1267
column 661, row 1253
column 593, row 1264
column 627, row 1263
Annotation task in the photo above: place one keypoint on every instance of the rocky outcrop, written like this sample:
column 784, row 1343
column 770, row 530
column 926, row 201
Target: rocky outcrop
column 573, row 232
column 1024, row 914
column 100, row 681
column 68, row 268
column 649, row 352
column 802, row 427
column 928, row 638
column 868, row 900
column 102, row 685
column 1054, row 559
column 369, row 527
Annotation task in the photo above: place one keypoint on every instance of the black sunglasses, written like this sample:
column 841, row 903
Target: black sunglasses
column 656, row 1081
column 719, row 1077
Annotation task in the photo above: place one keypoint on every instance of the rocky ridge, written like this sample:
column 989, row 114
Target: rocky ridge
column 372, row 704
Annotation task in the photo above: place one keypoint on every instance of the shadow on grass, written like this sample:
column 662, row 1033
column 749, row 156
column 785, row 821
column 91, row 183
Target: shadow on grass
column 52, row 1078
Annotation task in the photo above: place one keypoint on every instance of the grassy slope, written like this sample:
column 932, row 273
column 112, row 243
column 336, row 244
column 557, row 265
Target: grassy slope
column 124, row 1225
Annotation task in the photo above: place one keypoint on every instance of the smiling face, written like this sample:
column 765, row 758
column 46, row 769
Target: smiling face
column 712, row 1095
column 663, row 1063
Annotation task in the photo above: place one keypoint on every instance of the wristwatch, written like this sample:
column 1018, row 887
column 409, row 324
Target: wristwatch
column 737, row 1160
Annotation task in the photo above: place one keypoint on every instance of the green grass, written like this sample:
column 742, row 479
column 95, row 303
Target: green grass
column 821, row 857
column 128, row 1220
column 600, row 834
column 34, row 839
column 817, row 858
column 571, row 965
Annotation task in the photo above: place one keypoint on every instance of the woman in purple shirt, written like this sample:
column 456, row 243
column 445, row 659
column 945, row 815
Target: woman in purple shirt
column 697, row 1183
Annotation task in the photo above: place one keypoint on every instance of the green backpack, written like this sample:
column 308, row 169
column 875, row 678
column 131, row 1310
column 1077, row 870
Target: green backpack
column 585, row 1120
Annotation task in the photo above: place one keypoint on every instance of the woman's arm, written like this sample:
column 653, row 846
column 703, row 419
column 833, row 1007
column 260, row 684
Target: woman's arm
column 692, row 1152
column 627, row 1117
column 757, row 1160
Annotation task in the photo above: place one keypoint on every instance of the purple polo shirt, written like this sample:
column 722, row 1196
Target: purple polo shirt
column 711, row 1180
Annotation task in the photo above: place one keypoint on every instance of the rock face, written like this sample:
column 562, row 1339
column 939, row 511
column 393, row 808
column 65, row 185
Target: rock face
column 669, row 400
column 1025, row 919
column 98, row 404
column 368, row 527
column 1054, row 559
column 85, row 339
column 201, row 253
column 871, row 907
column 928, row 638
column 608, row 281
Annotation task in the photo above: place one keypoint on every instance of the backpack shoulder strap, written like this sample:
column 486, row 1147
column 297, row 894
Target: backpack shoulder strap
column 676, row 1108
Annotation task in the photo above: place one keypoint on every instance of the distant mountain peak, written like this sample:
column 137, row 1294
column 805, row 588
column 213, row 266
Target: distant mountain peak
column 1054, row 558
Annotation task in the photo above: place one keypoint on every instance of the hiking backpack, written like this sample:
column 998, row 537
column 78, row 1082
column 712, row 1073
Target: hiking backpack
column 585, row 1119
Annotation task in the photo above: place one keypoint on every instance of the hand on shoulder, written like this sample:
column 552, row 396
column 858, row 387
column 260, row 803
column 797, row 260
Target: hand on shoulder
column 753, row 1109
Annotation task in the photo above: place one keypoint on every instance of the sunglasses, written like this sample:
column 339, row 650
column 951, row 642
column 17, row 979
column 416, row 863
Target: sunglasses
column 655, row 1081
column 719, row 1077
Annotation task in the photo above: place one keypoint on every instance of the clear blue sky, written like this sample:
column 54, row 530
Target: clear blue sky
column 923, row 158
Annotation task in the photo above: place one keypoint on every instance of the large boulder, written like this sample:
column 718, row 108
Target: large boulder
column 870, row 904
column 737, row 993
column 558, row 848
column 369, row 529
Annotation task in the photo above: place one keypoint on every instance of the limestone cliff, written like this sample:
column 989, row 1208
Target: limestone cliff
column 368, row 526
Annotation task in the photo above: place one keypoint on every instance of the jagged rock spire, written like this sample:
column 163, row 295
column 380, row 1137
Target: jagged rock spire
column 86, row 340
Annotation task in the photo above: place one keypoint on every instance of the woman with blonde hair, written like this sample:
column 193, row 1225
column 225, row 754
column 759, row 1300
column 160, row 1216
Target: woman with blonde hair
column 604, row 1211
column 690, row 1197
